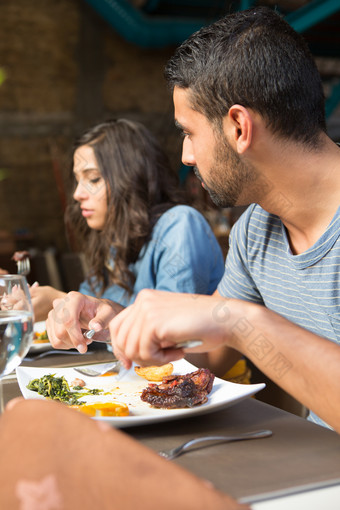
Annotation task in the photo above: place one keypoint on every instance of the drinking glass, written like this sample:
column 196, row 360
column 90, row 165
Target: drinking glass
column 16, row 324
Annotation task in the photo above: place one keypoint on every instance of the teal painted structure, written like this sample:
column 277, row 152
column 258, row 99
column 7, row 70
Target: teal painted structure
column 312, row 13
column 142, row 27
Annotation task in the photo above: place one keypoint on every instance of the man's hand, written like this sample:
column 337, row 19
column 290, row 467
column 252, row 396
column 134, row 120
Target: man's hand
column 76, row 312
column 148, row 331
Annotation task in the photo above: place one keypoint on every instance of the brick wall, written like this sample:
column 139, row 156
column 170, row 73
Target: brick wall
column 66, row 70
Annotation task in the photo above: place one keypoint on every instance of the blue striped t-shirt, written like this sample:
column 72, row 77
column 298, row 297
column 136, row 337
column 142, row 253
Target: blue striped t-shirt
column 304, row 288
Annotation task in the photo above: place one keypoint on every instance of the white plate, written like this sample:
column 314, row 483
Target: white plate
column 129, row 388
column 39, row 327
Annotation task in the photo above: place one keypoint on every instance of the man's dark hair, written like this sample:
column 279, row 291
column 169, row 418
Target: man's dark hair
column 252, row 58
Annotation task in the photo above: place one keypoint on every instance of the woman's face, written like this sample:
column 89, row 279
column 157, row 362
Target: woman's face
column 91, row 192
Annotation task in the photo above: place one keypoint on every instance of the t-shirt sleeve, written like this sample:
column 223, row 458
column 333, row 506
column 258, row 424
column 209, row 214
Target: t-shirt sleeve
column 237, row 281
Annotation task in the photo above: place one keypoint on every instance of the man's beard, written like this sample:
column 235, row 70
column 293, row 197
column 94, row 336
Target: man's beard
column 229, row 175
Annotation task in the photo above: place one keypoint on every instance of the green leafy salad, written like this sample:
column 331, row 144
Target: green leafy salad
column 57, row 388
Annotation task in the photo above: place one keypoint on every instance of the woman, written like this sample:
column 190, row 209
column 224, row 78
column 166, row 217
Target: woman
column 135, row 231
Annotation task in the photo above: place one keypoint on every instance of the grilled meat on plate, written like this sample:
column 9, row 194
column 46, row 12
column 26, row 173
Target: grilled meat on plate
column 178, row 391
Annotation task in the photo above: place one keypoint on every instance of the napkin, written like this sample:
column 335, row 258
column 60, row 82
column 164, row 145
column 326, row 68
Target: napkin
column 55, row 458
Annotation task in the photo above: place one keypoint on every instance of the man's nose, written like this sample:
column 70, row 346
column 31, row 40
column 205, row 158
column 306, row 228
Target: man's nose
column 187, row 153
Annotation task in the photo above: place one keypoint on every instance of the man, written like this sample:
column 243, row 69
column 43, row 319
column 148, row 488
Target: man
column 249, row 100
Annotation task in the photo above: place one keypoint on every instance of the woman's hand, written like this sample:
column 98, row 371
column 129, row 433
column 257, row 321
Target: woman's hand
column 42, row 300
column 15, row 300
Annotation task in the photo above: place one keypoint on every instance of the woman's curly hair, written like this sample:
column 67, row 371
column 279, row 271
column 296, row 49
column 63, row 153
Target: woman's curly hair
column 140, row 186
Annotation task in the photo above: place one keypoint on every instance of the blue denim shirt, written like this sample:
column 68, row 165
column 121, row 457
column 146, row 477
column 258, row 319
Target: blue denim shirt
column 182, row 255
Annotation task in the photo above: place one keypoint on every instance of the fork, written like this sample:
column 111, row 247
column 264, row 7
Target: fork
column 188, row 344
column 107, row 367
column 52, row 352
column 24, row 266
column 179, row 450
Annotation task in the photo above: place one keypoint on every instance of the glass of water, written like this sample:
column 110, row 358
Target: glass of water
column 16, row 324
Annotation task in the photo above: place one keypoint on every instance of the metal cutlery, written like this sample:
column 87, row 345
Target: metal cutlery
column 188, row 344
column 24, row 266
column 88, row 333
column 200, row 442
column 52, row 352
column 114, row 366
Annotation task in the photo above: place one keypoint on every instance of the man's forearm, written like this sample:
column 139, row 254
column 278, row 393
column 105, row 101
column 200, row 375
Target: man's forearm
column 302, row 363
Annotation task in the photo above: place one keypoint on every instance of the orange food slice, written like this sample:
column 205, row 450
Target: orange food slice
column 104, row 409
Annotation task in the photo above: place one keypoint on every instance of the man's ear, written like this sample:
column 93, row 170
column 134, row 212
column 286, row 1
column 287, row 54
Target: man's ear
column 238, row 126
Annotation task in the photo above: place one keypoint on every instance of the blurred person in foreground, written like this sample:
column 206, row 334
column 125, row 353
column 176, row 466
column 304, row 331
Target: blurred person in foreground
column 134, row 227
column 87, row 464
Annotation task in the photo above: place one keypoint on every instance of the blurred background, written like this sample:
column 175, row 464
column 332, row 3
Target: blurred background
column 67, row 64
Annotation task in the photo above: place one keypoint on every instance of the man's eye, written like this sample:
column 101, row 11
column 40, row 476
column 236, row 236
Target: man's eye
column 184, row 134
